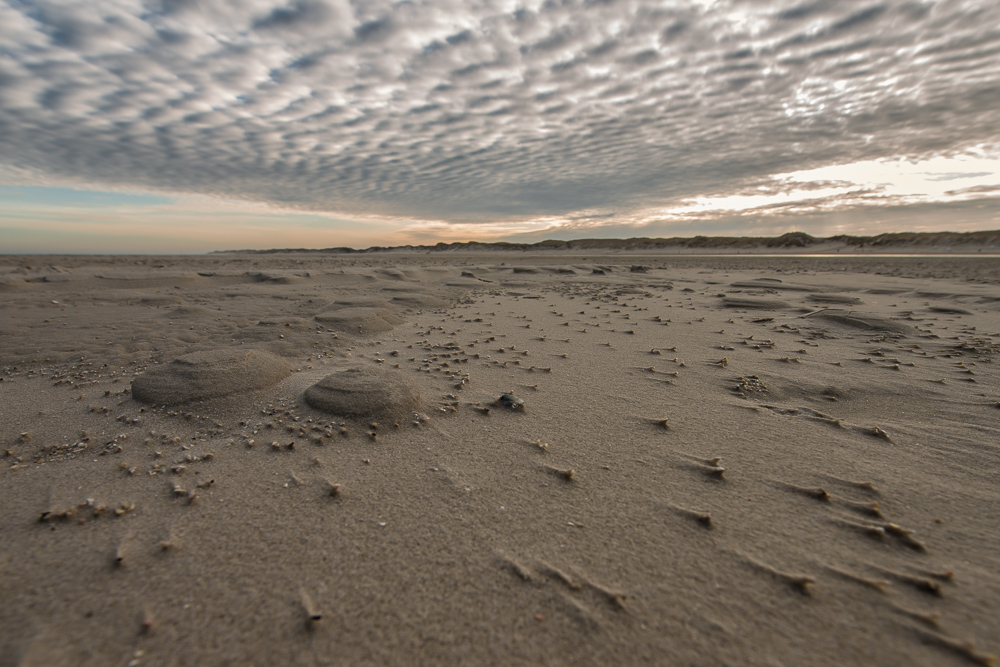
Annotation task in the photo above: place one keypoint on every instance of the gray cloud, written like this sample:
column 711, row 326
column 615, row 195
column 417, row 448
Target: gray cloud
column 468, row 110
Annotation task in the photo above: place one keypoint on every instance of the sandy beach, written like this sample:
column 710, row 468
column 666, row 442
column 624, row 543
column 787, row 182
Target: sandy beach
column 499, row 458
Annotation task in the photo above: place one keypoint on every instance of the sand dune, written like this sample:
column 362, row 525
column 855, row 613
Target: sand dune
column 510, row 458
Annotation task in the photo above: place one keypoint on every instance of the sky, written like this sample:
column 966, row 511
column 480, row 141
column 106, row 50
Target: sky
column 191, row 125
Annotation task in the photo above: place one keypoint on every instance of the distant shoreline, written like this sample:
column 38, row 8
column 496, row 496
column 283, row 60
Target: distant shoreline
column 932, row 243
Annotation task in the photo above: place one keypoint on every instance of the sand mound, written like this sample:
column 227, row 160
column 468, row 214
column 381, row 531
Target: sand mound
column 147, row 279
column 59, row 278
column 358, row 392
column 834, row 298
column 209, row 374
column 282, row 322
column 359, row 320
column 754, row 304
column 402, row 287
column 142, row 276
column 272, row 329
column 278, row 277
column 771, row 283
column 10, row 283
column 161, row 300
column 862, row 321
column 291, row 347
column 419, row 301
column 949, row 310
column 359, row 302
column 392, row 274
column 189, row 311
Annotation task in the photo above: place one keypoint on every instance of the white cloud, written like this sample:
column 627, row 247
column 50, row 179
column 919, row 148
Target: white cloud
column 481, row 111
column 940, row 178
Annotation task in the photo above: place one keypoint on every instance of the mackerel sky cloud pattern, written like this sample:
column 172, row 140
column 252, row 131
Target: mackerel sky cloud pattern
column 474, row 111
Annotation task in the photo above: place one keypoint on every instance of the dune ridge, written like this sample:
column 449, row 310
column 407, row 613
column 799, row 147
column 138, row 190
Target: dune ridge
column 943, row 242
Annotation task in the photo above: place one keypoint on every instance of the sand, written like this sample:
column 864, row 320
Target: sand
column 718, row 460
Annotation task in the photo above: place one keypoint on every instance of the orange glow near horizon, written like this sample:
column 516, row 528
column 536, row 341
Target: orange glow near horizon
column 841, row 199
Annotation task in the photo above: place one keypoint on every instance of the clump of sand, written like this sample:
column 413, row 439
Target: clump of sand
column 360, row 320
column 10, row 283
column 363, row 392
column 864, row 321
column 209, row 374
column 359, row 302
column 754, row 304
column 419, row 301
column 843, row 299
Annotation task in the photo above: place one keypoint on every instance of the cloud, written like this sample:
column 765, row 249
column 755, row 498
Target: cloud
column 487, row 111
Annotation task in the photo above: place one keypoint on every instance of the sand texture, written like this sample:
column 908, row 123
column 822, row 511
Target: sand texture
column 304, row 459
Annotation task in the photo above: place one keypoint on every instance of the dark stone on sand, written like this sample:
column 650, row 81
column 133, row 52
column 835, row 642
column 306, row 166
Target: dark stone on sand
column 511, row 401
column 754, row 304
column 599, row 272
column 858, row 320
column 360, row 320
column 209, row 374
column 364, row 392
column 637, row 268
